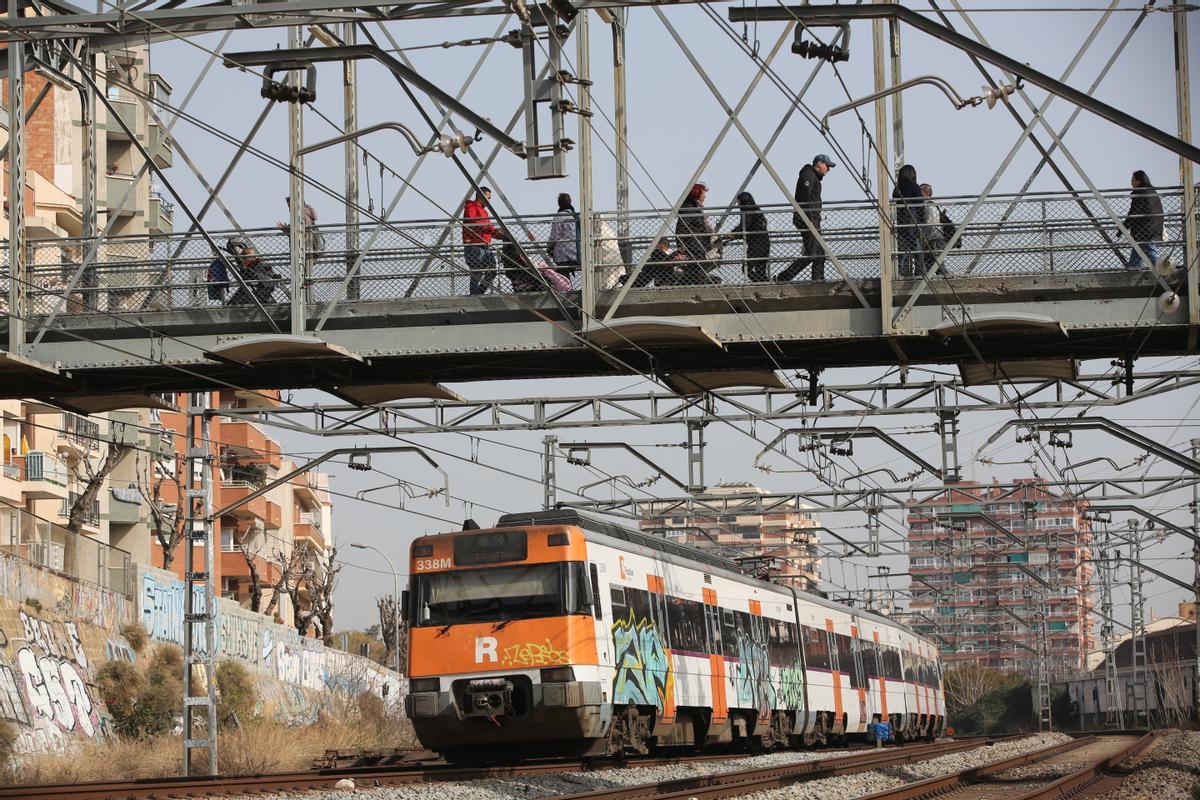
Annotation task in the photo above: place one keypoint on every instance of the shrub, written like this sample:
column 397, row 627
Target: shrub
column 8, row 745
column 121, row 686
column 237, row 695
column 136, row 635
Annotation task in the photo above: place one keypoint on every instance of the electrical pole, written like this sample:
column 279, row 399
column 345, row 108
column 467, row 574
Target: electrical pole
column 883, row 175
column 1196, row 586
column 1137, row 611
column 621, row 115
column 549, row 477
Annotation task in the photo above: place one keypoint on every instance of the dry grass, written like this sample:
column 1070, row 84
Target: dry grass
column 259, row 746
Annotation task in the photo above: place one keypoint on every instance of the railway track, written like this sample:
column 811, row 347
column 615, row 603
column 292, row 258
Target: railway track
column 1088, row 766
column 706, row 787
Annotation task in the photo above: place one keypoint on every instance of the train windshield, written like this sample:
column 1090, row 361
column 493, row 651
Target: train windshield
column 497, row 594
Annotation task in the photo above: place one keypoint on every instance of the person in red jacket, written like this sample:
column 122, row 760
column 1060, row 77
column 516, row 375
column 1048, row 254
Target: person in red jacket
column 477, row 233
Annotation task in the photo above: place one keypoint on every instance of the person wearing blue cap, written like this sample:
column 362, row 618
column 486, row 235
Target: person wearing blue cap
column 808, row 197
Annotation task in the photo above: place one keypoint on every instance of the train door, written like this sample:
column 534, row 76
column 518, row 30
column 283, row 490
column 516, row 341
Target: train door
column 759, row 667
column 664, row 670
column 858, row 678
column 716, row 662
column 602, row 613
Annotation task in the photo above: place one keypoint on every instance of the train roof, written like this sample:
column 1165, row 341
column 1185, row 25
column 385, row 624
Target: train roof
column 588, row 522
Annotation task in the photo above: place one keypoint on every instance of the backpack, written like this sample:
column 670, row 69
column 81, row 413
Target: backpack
column 948, row 229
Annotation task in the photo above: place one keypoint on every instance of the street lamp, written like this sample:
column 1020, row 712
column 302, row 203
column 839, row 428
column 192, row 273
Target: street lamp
column 395, row 602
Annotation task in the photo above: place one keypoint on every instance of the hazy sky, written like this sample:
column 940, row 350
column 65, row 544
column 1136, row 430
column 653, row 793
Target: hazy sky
column 673, row 119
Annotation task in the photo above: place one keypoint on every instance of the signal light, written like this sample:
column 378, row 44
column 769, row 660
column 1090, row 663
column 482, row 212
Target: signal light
column 422, row 550
column 558, row 540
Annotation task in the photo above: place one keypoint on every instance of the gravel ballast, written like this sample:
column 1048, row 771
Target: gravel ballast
column 535, row 787
column 1168, row 771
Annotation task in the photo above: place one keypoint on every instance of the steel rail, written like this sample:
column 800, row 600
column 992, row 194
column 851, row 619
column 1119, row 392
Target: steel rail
column 735, row 784
column 706, row 787
column 1090, row 775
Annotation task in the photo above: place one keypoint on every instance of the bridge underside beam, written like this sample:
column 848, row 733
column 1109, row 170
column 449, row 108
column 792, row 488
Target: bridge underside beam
column 966, row 320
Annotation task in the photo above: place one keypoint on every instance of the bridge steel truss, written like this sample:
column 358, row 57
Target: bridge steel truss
column 381, row 325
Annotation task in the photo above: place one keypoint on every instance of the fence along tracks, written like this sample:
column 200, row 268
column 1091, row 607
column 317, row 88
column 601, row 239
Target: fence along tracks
column 706, row 787
column 1101, row 773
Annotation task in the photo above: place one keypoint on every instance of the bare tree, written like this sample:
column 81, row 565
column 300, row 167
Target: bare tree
column 92, row 476
column 394, row 637
column 248, row 545
column 965, row 685
column 167, row 520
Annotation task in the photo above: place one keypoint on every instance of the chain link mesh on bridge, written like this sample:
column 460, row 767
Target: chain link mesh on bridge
column 1030, row 235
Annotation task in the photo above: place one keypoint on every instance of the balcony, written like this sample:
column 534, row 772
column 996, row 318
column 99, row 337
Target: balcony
column 308, row 528
column 124, row 507
column 126, row 110
column 117, row 185
column 233, row 491
column 305, row 492
column 45, row 477
column 247, row 443
column 274, row 516
column 91, row 516
column 160, row 217
column 161, row 145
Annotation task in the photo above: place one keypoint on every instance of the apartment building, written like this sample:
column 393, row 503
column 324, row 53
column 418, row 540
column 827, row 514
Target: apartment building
column 263, row 539
column 986, row 563
column 780, row 545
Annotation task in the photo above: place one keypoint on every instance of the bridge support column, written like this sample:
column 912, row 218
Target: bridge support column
column 621, row 114
column 583, row 68
column 17, row 245
column 883, row 173
column 350, row 105
column 1183, row 107
column 299, row 277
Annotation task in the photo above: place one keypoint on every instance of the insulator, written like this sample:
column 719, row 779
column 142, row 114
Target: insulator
column 1168, row 302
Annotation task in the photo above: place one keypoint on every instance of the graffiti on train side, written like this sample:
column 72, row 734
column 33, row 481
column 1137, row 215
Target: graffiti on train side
column 644, row 675
column 791, row 688
column 754, row 688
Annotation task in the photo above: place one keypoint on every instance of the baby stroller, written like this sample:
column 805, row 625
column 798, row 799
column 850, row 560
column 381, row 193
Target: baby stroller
column 257, row 275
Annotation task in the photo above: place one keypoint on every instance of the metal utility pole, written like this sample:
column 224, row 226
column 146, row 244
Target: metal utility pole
column 298, row 262
column 1108, row 577
column 1137, row 638
column 549, row 476
column 395, row 601
column 883, row 175
column 17, row 256
column 1183, row 108
column 621, row 114
column 199, row 702
column 350, row 103
column 695, row 455
column 587, row 272
column 1196, row 586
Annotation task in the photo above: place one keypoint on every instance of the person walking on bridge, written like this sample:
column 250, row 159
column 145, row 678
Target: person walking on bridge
column 752, row 229
column 1145, row 220
column 563, row 244
column 808, row 197
column 910, row 216
column 696, row 237
column 477, row 233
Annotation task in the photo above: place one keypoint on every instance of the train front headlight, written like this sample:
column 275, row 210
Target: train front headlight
column 422, row 685
column 558, row 674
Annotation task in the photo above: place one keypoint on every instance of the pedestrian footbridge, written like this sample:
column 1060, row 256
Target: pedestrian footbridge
column 1038, row 282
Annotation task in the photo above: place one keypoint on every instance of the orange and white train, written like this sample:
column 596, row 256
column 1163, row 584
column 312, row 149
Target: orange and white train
column 557, row 633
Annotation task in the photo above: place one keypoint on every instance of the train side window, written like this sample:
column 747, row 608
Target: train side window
column 686, row 620
column 595, row 592
column 909, row 675
column 816, row 648
column 870, row 656
column 891, row 664
column 620, row 608
column 728, row 634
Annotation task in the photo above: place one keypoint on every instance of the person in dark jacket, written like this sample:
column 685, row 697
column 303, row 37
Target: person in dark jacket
column 660, row 266
column 808, row 197
column 1145, row 220
column 696, row 237
column 752, row 229
column 910, row 215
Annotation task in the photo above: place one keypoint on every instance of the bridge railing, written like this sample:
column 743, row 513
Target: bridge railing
column 1030, row 235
